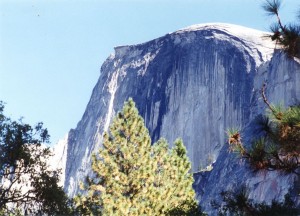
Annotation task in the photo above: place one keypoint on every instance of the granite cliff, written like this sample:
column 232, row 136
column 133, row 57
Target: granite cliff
column 193, row 83
column 230, row 172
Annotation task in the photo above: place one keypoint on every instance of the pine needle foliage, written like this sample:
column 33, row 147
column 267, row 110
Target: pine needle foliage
column 278, row 148
column 288, row 129
column 272, row 7
column 236, row 202
column 288, row 36
column 131, row 177
column 258, row 154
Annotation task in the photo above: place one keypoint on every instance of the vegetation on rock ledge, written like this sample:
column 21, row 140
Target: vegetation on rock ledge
column 237, row 203
column 278, row 148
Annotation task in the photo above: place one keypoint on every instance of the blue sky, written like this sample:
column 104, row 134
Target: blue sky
column 51, row 51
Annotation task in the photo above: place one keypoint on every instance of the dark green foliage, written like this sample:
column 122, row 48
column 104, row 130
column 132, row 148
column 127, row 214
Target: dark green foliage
column 264, row 124
column 187, row 208
column 288, row 36
column 258, row 154
column 287, row 129
column 27, row 186
column 272, row 6
column 278, row 148
column 46, row 189
column 131, row 177
column 234, row 202
column 287, row 208
column 237, row 203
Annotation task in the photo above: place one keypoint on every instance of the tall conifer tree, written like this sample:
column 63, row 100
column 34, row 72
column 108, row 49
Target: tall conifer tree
column 131, row 177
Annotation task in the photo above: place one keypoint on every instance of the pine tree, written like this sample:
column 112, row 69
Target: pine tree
column 131, row 177
column 173, row 178
column 288, row 36
column 278, row 147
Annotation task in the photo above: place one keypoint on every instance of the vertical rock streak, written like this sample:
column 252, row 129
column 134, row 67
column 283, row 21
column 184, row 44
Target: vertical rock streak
column 112, row 88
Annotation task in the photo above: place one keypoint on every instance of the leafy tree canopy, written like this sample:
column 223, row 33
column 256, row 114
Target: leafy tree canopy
column 27, row 185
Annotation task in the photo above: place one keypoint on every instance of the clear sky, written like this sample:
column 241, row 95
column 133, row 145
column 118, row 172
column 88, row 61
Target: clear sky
column 51, row 51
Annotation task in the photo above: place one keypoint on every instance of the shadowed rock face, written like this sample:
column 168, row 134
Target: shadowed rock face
column 282, row 76
column 193, row 84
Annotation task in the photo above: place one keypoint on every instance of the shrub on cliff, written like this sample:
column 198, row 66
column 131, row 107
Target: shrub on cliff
column 236, row 202
column 131, row 177
column 278, row 148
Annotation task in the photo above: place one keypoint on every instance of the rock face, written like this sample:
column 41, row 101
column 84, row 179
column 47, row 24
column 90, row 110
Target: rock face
column 194, row 84
column 282, row 76
column 59, row 158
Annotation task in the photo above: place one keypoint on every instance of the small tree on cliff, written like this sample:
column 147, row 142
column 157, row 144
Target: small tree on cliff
column 131, row 177
column 278, row 147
